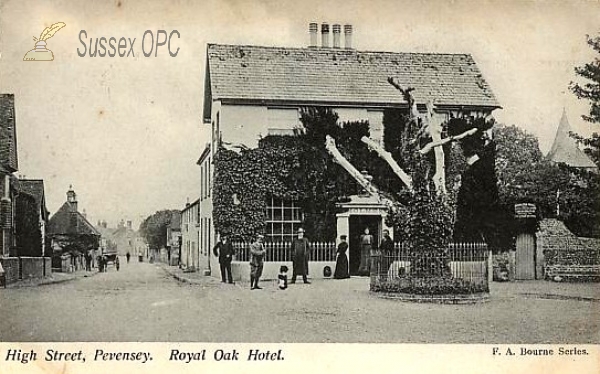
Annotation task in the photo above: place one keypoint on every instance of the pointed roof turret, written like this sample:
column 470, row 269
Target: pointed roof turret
column 565, row 148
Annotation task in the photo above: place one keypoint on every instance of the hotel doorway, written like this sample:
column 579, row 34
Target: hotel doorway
column 357, row 224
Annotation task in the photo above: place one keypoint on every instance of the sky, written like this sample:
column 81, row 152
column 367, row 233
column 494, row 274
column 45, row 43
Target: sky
column 126, row 132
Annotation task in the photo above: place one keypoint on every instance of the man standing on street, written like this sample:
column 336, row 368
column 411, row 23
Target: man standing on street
column 257, row 260
column 387, row 254
column 224, row 250
column 300, row 248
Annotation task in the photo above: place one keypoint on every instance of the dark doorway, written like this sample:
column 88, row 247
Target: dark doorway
column 357, row 228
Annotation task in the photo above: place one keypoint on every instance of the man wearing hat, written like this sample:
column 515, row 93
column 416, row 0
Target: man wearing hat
column 224, row 251
column 300, row 248
column 388, row 253
column 257, row 260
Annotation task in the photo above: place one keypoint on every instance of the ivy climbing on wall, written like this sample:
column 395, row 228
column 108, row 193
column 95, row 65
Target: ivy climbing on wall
column 293, row 168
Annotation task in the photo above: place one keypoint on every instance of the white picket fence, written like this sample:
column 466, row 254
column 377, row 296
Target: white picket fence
column 281, row 251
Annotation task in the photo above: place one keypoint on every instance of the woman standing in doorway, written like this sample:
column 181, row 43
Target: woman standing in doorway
column 366, row 244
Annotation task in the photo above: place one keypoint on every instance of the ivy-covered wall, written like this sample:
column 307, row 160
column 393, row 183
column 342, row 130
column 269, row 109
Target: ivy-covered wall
column 293, row 167
column 299, row 168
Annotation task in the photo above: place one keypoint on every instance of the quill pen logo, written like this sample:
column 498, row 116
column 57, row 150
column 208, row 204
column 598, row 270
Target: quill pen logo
column 40, row 52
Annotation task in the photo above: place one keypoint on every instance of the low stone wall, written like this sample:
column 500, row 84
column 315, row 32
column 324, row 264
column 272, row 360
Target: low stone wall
column 62, row 263
column 47, row 266
column 241, row 270
column 17, row 268
column 12, row 267
column 32, row 267
column 573, row 272
column 561, row 247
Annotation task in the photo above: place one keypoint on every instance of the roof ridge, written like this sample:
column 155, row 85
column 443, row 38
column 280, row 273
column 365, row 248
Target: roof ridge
column 331, row 49
column 341, row 76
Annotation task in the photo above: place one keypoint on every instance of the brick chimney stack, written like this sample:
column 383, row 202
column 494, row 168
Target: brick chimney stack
column 348, row 36
column 313, row 29
column 337, row 29
column 325, row 35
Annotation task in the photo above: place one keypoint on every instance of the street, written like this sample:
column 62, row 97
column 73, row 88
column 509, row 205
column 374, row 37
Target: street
column 142, row 302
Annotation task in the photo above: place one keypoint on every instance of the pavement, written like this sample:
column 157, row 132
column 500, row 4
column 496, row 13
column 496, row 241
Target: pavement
column 153, row 302
column 54, row 278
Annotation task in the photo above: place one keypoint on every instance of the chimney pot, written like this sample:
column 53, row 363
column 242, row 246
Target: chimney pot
column 325, row 35
column 348, row 36
column 313, row 29
column 337, row 29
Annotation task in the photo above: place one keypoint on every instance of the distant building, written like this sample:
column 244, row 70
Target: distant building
column 107, row 242
column 566, row 150
column 173, row 249
column 207, row 236
column 190, row 236
column 127, row 239
column 71, row 236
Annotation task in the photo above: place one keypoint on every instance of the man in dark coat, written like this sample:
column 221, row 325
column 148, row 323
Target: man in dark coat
column 387, row 254
column 478, row 211
column 300, row 249
column 224, row 250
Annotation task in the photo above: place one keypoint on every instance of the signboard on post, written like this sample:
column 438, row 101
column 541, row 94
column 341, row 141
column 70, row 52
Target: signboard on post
column 525, row 210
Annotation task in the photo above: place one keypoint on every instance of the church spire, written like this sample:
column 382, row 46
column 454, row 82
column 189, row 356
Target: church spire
column 565, row 148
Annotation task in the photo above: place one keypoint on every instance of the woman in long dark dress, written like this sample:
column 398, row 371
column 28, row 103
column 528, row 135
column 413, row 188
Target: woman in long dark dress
column 341, row 265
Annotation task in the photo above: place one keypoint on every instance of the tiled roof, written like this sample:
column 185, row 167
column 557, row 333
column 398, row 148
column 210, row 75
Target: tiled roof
column 8, row 135
column 63, row 223
column 565, row 149
column 124, row 231
column 106, row 232
column 328, row 75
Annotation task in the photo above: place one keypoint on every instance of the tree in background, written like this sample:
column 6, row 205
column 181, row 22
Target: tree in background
column 590, row 91
column 154, row 228
column 525, row 176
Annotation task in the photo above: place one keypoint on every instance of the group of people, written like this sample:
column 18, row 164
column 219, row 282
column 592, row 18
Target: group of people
column 300, row 249
column 386, row 248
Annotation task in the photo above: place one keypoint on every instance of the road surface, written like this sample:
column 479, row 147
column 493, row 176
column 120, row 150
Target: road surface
column 142, row 302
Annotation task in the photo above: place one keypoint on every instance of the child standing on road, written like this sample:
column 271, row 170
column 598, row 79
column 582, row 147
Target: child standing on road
column 282, row 277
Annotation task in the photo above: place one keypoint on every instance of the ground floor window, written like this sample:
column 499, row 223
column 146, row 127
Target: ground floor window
column 283, row 219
